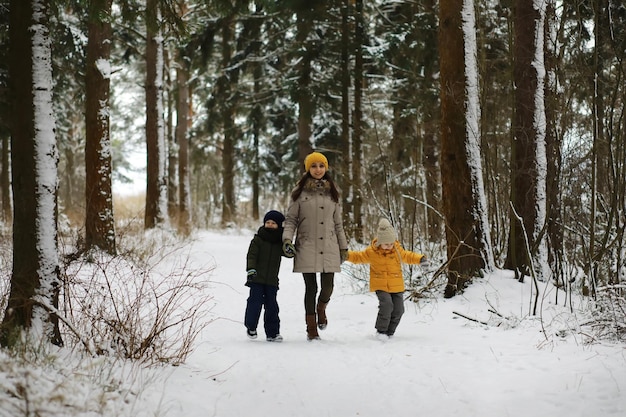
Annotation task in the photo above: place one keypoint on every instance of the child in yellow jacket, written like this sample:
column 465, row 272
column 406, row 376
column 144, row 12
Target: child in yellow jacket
column 385, row 256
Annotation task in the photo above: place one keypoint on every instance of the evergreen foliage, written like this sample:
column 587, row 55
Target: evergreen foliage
column 244, row 60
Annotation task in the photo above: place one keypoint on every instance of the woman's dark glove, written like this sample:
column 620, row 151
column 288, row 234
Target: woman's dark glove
column 289, row 249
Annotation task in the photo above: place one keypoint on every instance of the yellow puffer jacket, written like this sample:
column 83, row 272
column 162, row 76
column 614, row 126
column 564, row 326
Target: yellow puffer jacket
column 385, row 265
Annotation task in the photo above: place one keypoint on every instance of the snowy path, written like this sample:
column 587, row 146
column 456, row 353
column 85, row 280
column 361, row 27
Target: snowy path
column 436, row 365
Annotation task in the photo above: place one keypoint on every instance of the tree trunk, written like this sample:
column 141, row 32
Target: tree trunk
column 228, row 117
column 67, row 188
column 357, row 123
column 35, row 281
column 156, row 187
column 99, row 221
column 432, row 169
column 528, row 165
column 171, row 138
column 553, row 150
column 7, row 207
column 182, row 125
column 344, row 175
column 257, row 126
column 602, row 39
column 467, row 234
column 406, row 176
column 305, row 102
column 257, row 112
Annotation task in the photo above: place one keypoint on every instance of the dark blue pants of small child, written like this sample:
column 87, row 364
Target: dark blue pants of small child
column 390, row 311
column 263, row 295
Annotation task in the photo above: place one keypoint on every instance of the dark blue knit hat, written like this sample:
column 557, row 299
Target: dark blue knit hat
column 277, row 216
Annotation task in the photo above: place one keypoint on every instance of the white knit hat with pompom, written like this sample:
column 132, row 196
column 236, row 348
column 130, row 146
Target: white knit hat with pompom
column 386, row 233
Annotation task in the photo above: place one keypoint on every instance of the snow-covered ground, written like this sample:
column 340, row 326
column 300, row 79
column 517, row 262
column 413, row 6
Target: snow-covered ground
column 437, row 364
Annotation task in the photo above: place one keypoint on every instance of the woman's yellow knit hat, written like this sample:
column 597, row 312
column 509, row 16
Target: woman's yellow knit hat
column 314, row 157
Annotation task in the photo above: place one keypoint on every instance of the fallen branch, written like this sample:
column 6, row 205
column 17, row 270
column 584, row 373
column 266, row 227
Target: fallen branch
column 470, row 318
column 495, row 312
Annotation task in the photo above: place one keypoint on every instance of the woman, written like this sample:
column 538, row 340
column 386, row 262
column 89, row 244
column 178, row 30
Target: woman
column 314, row 217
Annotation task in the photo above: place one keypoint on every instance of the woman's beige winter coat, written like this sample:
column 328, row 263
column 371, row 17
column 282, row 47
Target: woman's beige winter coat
column 316, row 221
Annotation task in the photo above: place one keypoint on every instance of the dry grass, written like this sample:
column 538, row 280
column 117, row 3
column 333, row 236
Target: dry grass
column 129, row 206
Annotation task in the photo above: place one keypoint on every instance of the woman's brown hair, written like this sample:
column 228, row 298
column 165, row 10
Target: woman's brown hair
column 334, row 192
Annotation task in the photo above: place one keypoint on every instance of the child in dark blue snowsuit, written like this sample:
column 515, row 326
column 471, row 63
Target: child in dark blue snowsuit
column 263, row 264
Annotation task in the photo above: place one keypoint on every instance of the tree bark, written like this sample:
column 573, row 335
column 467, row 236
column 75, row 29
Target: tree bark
column 7, row 207
column 553, row 150
column 432, row 169
column 35, row 280
column 156, row 187
column 306, row 107
column 99, row 220
column 182, row 126
column 467, row 234
column 357, row 123
column 344, row 174
column 257, row 127
column 229, row 79
column 528, row 150
column 171, row 137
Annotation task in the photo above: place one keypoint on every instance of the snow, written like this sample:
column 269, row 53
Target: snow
column 104, row 67
column 435, row 365
column 438, row 363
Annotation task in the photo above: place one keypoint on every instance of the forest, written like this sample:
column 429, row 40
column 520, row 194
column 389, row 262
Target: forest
column 491, row 133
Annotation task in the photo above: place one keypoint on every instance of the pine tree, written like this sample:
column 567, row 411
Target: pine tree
column 99, row 219
column 35, row 280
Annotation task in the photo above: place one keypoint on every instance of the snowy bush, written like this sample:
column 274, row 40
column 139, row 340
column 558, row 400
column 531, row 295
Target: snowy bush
column 47, row 381
column 609, row 313
column 138, row 306
column 358, row 274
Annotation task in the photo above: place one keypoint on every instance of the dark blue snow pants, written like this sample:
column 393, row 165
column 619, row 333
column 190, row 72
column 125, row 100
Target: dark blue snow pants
column 262, row 295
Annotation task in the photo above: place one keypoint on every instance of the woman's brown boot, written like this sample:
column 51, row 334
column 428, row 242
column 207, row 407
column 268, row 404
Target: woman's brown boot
column 311, row 327
column 322, row 320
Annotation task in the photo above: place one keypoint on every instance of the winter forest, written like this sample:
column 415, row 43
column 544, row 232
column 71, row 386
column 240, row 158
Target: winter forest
column 491, row 133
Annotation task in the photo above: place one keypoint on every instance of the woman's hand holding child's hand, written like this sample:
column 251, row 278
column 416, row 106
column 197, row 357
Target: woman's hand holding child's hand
column 289, row 249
